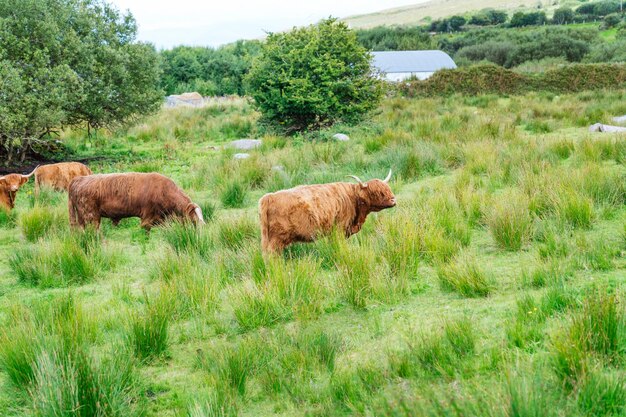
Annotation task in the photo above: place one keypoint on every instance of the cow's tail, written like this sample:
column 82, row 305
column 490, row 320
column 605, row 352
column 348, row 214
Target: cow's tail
column 265, row 222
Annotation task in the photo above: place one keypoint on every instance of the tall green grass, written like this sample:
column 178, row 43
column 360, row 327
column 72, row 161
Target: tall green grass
column 72, row 259
column 147, row 334
column 281, row 290
column 40, row 221
column 465, row 277
column 510, row 222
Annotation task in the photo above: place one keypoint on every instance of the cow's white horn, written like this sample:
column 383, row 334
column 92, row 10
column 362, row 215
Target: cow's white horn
column 198, row 211
column 31, row 174
column 388, row 177
column 356, row 178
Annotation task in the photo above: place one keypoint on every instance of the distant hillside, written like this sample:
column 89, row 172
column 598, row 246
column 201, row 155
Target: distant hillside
column 436, row 9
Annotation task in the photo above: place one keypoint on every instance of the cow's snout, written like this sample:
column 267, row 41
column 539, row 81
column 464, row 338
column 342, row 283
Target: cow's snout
column 14, row 188
column 393, row 202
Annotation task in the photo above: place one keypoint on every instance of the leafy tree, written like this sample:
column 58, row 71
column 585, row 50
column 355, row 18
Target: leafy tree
column 520, row 19
column 64, row 62
column 456, row 22
column 563, row 15
column 206, row 70
column 497, row 17
column 611, row 20
column 312, row 77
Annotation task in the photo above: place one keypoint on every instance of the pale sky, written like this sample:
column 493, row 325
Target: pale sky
column 168, row 23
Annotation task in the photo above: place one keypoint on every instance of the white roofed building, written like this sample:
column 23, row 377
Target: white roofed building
column 400, row 65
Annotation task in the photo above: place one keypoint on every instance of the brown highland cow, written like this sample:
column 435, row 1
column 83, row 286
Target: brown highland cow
column 58, row 176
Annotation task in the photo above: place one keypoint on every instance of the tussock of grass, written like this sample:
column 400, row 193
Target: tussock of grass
column 86, row 386
column 281, row 291
column 40, row 221
column 465, row 276
column 187, row 238
column 510, row 222
column 7, row 218
column 47, row 355
column 547, row 273
column 234, row 194
column 597, row 254
column 574, row 209
column 189, row 284
column 602, row 394
column 435, row 353
column 216, row 404
column 78, row 258
column 148, row 331
column 597, row 329
column 235, row 233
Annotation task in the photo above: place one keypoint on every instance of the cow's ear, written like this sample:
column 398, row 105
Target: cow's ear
column 191, row 207
column 3, row 181
column 24, row 180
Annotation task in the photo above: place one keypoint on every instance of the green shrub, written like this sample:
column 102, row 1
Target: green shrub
column 493, row 79
column 466, row 277
column 289, row 98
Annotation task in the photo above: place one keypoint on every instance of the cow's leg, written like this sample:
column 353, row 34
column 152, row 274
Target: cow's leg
column 92, row 218
column 72, row 212
column 273, row 245
column 36, row 186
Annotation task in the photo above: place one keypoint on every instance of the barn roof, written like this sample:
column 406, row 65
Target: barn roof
column 411, row 61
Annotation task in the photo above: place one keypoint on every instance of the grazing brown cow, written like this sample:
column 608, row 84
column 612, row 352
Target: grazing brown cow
column 9, row 184
column 58, row 176
column 151, row 197
column 302, row 213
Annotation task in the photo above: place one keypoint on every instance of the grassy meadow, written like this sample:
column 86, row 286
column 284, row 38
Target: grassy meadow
column 496, row 287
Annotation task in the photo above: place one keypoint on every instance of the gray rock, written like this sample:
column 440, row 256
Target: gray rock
column 341, row 137
column 186, row 99
column 599, row 127
column 245, row 144
column 620, row 119
column 241, row 156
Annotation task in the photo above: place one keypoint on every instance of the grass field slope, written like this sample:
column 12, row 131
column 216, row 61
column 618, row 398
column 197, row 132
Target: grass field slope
column 495, row 287
column 436, row 9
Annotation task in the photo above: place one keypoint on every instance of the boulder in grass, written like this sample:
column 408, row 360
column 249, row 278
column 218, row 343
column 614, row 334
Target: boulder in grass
column 241, row 156
column 620, row 119
column 186, row 99
column 341, row 137
column 599, row 127
column 246, row 144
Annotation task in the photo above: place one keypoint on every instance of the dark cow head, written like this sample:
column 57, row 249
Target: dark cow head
column 9, row 184
column 375, row 195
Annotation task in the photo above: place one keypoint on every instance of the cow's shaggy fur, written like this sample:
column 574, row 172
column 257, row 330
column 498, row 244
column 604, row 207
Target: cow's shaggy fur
column 58, row 176
column 152, row 197
column 302, row 213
